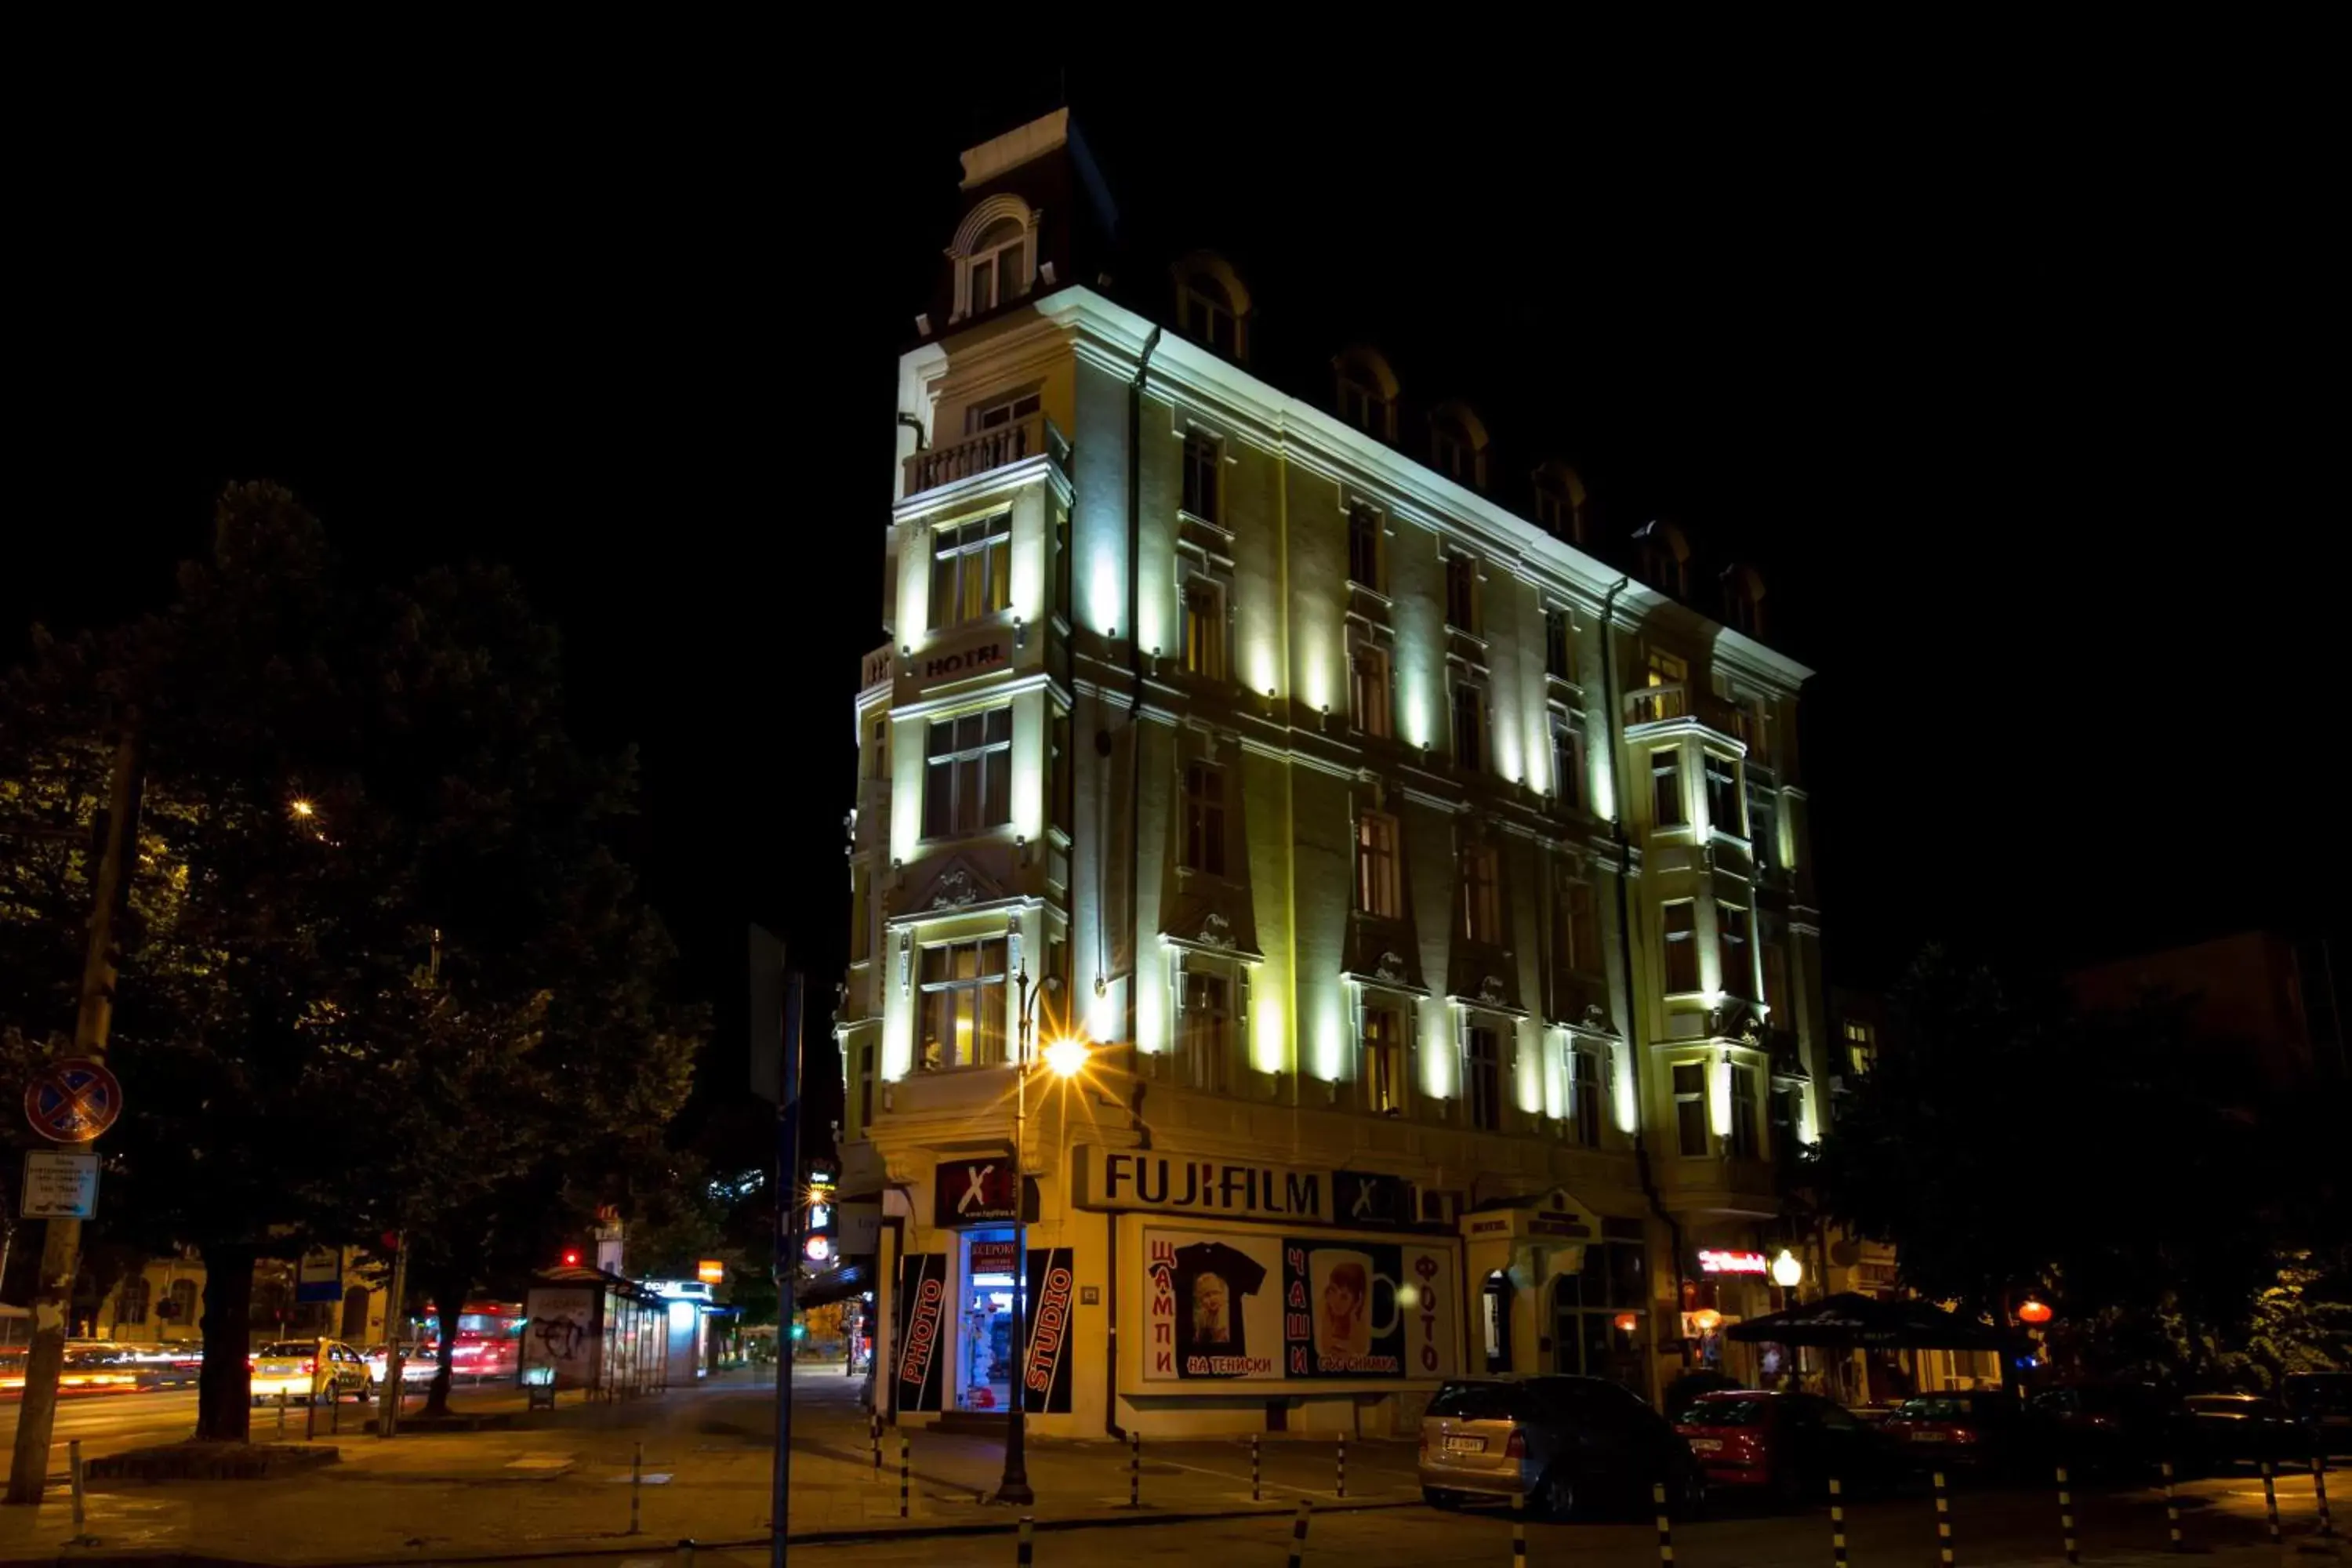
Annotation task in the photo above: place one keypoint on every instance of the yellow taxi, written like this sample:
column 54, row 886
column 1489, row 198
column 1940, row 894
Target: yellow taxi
column 290, row 1370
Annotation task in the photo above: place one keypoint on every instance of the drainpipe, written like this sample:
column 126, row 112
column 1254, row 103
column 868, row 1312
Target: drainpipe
column 1616, row 701
column 911, row 422
column 1134, row 804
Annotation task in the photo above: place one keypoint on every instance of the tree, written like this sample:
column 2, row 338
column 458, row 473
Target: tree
column 382, row 972
column 2102, row 1161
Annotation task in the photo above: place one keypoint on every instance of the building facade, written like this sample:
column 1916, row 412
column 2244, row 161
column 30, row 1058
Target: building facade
column 1433, row 895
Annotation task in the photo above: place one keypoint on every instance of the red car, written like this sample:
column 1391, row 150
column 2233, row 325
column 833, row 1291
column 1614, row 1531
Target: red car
column 1788, row 1445
column 1979, row 1430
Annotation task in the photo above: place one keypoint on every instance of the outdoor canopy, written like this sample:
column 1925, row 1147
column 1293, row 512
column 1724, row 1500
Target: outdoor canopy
column 1849, row 1322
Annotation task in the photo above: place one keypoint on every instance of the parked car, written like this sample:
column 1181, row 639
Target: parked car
column 2322, row 1402
column 289, row 1368
column 2115, row 1428
column 1786, row 1445
column 416, row 1365
column 1573, row 1446
column 1979, row 1430
column 2245, row 1429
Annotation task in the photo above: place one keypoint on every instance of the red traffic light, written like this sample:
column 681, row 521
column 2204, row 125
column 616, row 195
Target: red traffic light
column 571, row 1257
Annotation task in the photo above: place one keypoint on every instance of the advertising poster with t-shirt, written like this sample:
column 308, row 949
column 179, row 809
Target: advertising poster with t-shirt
column 922, row 1329
column 1245, row 1307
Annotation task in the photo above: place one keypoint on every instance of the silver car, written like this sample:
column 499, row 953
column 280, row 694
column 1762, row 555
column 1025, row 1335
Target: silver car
column 1570, row 1444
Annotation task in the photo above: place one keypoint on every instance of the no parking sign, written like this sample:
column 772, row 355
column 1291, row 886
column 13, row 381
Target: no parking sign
column 72, row 1101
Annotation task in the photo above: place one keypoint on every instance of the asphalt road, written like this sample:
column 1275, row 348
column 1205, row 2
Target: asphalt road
column 110, row 1423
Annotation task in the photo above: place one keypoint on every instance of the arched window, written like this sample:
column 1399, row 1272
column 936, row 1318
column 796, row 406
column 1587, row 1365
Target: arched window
column 1457, row 445
column 130, row 1302
column 1664, row 557
column 1495, row 1320
column 1743, row 601
column 182, row 1299
column 1560, row 501
column 994, row 256
column 1366, row 396
column 1212, row 306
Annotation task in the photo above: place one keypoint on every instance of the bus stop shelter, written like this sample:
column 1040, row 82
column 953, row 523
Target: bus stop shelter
column 596, row 1331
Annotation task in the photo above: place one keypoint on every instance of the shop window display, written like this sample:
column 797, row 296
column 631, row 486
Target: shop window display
column 984, row 1368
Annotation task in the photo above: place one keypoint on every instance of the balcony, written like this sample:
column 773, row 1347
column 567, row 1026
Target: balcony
column 1649, row 704
column 989, row 450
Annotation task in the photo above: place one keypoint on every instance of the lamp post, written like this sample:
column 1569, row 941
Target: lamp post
column 1014, row 1488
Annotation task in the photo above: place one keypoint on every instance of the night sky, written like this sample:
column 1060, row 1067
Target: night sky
column 2006, row 387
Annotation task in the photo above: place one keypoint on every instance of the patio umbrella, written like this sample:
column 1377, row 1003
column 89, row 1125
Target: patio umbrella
column 1849, row 1322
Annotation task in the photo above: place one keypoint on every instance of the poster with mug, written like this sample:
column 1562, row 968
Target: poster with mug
column 1237, row 1307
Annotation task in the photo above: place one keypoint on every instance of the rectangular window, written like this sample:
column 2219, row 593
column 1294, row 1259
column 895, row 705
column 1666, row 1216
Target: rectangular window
column 1775, row 982
column 1787, row 1120
column 1665, row 690
column 1482, row 1079
column 1064, row 766
column 1725, row 802
column 1004, row 411
column 1206, row 1032
column 1690, row 1108
column 1383, row 1061
column 968, row 773
column 1204, row 819
column 1378, row 891
column 1482, row 895
column 963, row 1004
column 1731, row 933
column 1743, row 1113
column 864, row 1088
column 1204, row 628
column 1763, row 826
column 1580, row 929
column 1861, row 1046
column 971, row 571
column 1462, row 593
column 1584, row 1096
column 1679, row 920
column 1204, row 459
column 1666, row 789
column 1567, row 763
column 1369, row 684
column 1364, row 547
column 1469, row 728
column 1558, row 652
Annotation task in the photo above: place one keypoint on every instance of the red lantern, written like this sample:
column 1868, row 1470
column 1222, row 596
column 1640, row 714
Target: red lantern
column 1628, row 1321
column 2033, row 1309
column 1707, row 1320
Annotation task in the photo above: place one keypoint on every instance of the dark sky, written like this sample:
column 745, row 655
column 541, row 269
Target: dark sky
column 2006, row 384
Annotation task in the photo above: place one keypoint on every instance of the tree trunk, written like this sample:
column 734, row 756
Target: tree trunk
column 448, row 1302
column 225, row 1385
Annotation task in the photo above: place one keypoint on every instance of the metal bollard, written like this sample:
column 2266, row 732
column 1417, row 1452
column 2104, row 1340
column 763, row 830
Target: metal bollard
column 1027, row 1542
column 2172, row 1510
column 1299, row 1535
column 281, row 1415
column 874, row 1435
column 1134, row 1469
column 1666, row 1522
column 2269, row 1498
column 2066, row 1517
column 685, row 1553
column 902, row 1474
column 1255, row 1494
column 1837, row 1522
column 1340, row 1487
column 637, row 1484
column 2319, row 1489
column 73, row 1468
column 1519, row 1529
column 1943, row 1523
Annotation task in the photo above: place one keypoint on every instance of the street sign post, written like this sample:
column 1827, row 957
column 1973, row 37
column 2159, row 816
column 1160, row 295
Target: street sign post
column 319, row 1276
column 58, row 1185
column 73, row 1101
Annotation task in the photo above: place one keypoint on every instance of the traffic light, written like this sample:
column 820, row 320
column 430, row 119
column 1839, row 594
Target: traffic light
column 800, row 1330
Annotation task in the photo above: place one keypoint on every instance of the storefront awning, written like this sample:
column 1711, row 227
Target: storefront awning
column 838, row 1285
column 1849, row 1322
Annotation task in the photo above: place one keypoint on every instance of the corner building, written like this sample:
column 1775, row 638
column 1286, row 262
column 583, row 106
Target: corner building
column 1433, row 893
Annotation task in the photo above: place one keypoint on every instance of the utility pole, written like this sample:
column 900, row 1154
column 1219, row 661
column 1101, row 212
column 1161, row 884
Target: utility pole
column 28, row 1471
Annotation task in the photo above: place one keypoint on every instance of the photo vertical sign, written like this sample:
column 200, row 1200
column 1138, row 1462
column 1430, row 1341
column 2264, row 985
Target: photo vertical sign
column 922, row 1322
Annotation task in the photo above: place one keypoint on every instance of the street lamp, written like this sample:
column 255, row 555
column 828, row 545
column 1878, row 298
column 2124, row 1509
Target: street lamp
column 1787, row 1272
column 1064, row 1057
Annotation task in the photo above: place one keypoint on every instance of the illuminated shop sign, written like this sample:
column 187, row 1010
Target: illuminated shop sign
column 1722, row 1261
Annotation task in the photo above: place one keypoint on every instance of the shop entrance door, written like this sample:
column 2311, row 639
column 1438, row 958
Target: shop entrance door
column 984, row 1332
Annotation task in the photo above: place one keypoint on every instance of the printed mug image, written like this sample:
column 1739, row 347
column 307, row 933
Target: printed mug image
column 1353, row 1305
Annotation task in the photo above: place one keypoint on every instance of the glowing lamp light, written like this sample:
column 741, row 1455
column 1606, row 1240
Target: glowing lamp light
column 2033, row 1309
column 1065, row 1056
column 1628, row 1321
column 818, row 1249
column 710, row 1271
column 302, row 808
column 571, row 1257
column 1787, row 1272
column 1707, row 1320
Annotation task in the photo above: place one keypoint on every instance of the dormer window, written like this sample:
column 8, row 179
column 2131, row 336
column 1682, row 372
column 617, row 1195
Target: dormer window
column 1457, row 445
column 1743, row 601
column 998, row 268
column 1367, row 393
column 1212, row 306
column 1560, row 503
column 1665, row 557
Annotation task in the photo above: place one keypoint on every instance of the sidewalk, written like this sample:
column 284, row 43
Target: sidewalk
column 559, row 1481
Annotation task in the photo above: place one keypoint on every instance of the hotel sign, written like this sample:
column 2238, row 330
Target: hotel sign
column 936, row 665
